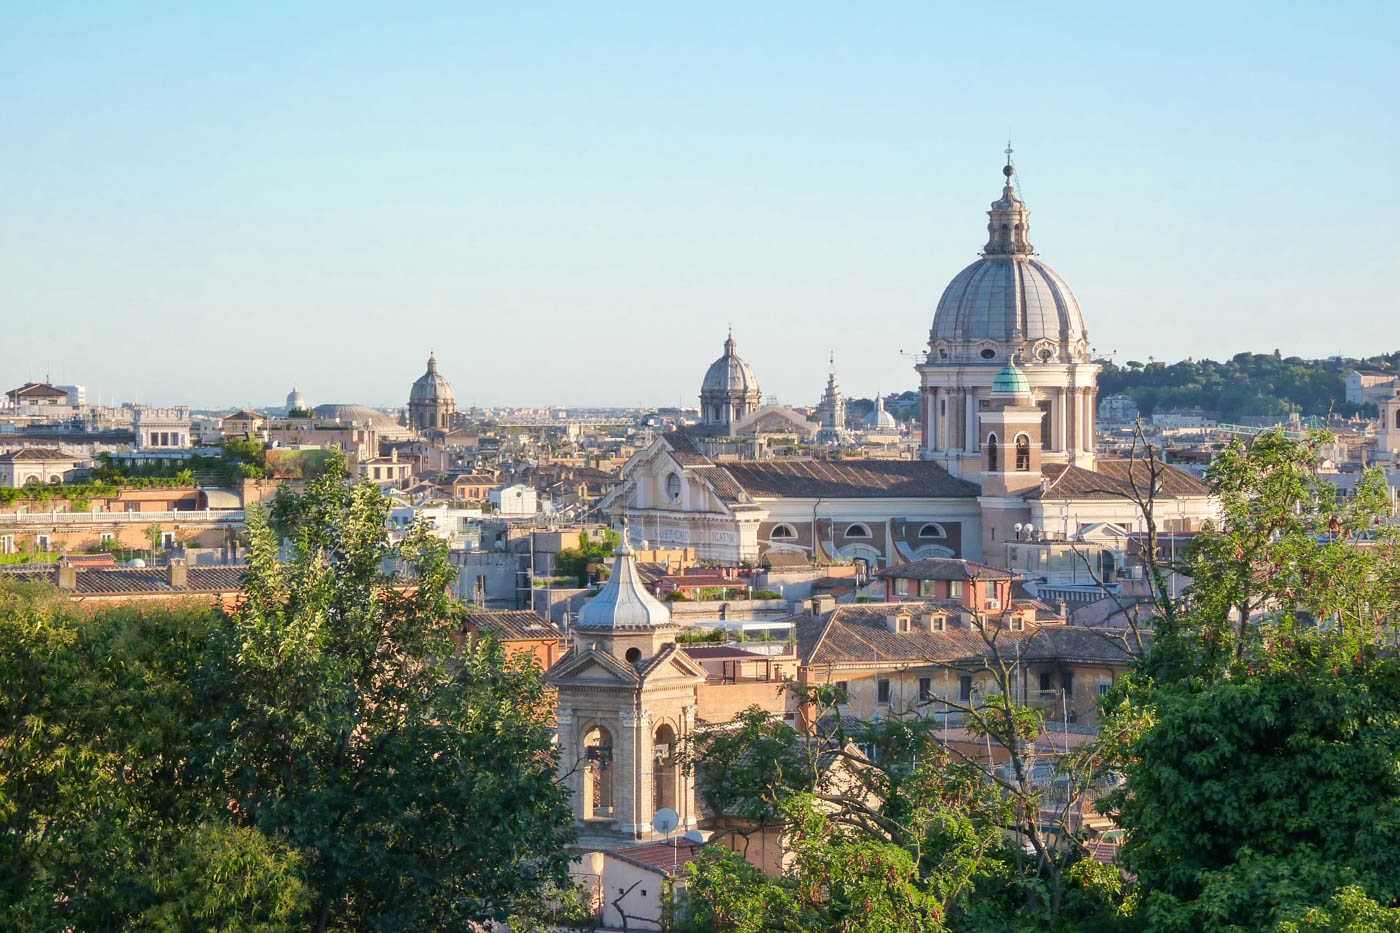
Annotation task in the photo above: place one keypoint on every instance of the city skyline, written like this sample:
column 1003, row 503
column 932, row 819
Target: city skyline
column 219, row 207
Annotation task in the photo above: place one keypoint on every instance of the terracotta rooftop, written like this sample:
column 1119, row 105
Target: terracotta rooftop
column 1114, row 479
column 511, row 624
column 858, row 633
column 665, row 858
column 849, row 479
column 121, row 581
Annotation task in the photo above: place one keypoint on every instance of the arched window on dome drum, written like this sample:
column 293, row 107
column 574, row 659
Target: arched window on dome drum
column 991, row 453
column 782, row 532
column 857, row 531
column 1023, row 453
column 932, row 530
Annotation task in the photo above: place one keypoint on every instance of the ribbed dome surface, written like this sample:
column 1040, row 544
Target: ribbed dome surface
column 432, row 386
column 1011, row 381
column 354, row 414
column 1003, row 298
column 729, row 373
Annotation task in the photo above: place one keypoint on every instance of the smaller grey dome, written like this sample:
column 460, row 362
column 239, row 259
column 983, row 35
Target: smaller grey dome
column 295, row 399
column 432, row 386
column 879, row 419
column 730, row 374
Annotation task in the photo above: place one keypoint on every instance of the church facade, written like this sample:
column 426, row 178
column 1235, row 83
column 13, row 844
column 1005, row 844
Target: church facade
column 1007, row 445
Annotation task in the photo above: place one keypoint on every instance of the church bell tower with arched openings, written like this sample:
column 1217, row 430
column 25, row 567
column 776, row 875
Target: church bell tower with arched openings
column 626, row 708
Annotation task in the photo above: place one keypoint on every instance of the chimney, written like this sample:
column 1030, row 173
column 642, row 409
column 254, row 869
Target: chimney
column 67, row 576
column 821, row 605
column 179, row 575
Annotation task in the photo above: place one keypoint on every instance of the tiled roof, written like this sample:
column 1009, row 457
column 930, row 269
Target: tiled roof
column 724, row 484
column 849, row 479
column 244, row 414
column 856, row 633
column 946, row 568
column 137, row 580
column 1113, row 479
column 34, row 453
column 1078, row 643
column 508, row 624
column 787, row 560
column 666, row 858
column 684, row 451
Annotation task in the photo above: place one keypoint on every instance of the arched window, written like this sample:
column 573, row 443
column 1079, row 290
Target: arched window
column 991, row 453
column 1023, row 453
column 1397, row 419
column 782, row 533
column 932, row 530
column 857, row 531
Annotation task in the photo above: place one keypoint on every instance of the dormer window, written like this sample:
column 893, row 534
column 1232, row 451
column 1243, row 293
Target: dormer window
column 857, row 531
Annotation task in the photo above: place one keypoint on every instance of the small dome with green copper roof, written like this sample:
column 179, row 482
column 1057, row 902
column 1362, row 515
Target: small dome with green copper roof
column 1011, row 381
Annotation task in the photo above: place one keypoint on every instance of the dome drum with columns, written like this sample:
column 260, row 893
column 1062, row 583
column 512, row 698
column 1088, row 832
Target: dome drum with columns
column 1007, row 307
column 730, row 391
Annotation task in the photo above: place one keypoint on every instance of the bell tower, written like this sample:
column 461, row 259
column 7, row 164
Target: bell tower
column 1010, row 458
column 1388, row 439
column 627, row 698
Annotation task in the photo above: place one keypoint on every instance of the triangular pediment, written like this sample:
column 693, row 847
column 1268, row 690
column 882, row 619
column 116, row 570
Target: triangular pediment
column 673, row 663
column 593, row 665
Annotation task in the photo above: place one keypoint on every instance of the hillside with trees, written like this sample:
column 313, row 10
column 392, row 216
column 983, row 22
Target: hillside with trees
column 1244, row 385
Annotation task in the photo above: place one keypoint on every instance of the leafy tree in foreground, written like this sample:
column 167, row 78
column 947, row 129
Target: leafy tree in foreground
column 1262, row 734
column 322, row 758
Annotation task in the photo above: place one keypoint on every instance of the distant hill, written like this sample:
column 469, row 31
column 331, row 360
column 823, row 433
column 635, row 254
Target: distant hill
column 1246, row 384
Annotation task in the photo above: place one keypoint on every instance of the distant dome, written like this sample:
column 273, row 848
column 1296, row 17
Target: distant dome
column 730, row 374
column 879, row 419
column 431, row 387
column 295, row 399
column 1009, row 302
column 355, row 414
column 1011, row 381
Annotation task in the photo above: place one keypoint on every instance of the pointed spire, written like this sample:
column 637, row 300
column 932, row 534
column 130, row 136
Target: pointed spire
column 1009, row 223
column 623, row 602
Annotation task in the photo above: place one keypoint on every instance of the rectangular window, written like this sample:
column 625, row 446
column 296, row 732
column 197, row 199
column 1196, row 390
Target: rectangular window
column 955, row 589
column 41, row 543
column 901, row 587
column 989, row 590
column 7, row 544
column 843, row 686
column 928, row 588
column 1067, row 678
column 1103, row 688
column 882, row 692
column 104, row 537
column 1045, row 686
column 167, row 540
column 965, row 687
column 925, row 689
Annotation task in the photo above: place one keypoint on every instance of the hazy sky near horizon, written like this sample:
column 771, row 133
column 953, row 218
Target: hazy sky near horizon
column 570, row 203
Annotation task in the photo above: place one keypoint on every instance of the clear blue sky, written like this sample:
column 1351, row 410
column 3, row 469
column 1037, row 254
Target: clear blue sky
column 570, row 202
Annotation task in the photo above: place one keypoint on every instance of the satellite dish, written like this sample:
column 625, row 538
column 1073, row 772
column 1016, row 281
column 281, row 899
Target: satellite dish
column 695, row 836
column 665, row 820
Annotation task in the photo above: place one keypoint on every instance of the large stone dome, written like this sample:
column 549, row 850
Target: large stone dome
column 1009, row 304
column 730, row 374
column 356, row 415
